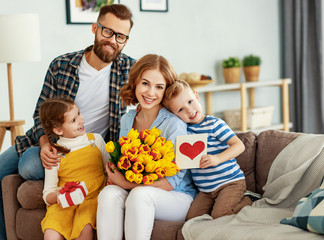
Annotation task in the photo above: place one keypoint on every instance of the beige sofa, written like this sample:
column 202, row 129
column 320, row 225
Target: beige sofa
column 24, row 208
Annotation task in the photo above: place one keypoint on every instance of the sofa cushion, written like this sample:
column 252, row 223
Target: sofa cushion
column 28, row 223
column 270, row 143
column 309, row 212
column 30, row 194
column 246, row 160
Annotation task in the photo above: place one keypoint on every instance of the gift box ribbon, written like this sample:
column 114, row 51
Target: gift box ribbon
column 71, row 187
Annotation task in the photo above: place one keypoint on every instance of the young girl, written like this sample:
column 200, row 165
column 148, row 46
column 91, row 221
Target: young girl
column 82, row 160
column 130, row 208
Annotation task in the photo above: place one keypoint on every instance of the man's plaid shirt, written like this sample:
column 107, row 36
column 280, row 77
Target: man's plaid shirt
column 62, row 79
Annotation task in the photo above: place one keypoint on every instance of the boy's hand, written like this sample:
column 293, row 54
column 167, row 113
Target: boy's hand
column 209, row 161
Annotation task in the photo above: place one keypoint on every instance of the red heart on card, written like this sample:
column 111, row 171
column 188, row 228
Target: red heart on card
column 192, row 151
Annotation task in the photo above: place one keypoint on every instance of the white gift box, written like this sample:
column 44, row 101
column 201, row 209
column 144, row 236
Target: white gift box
column 73, row 193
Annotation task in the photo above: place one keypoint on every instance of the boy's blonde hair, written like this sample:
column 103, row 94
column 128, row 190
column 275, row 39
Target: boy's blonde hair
column 174, row 90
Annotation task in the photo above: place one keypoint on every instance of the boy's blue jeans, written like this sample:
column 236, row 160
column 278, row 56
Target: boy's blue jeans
column 29, row 166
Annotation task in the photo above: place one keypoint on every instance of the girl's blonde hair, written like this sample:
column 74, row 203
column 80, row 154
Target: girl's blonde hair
column 51, row 115
column 147, row 62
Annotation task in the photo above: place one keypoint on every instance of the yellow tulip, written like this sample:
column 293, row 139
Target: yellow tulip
column 124, row 163
column 136, row 143
column 131, row 152
column 160, row 172
column 156, row 132
column 110, row 147
column 133, row 134
column 163, row 149
column 168, row 144
column 155, row 153
column 138, row 178
column 125, row 148
column 144, row 148
column 149, row 140
column 124, row 140
column 129, row 175
column 143, row 134
column 138, row 167
column 138, row 158
column 147, row 180
column 154, row 176
column 164, row 162
column 169, row 156
column 160, row 140
column 151, row 166
column 157, row 144
column 171, row 170
column 146, row 158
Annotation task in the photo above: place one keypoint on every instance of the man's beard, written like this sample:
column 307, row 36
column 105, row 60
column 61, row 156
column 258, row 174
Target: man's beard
column 102, row 55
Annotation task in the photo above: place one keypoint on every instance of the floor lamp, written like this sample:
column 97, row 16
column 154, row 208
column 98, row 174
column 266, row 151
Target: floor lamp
column 19, row 42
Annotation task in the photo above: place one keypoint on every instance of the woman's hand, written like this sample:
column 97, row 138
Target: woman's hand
column 117, row 178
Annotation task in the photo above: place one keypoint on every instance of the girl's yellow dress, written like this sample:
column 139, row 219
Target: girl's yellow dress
column 85, row 165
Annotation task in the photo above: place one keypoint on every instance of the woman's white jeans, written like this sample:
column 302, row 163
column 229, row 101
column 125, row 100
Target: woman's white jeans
column 134, row 212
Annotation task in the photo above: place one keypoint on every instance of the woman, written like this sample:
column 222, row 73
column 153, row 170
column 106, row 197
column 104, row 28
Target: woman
column 128, row 207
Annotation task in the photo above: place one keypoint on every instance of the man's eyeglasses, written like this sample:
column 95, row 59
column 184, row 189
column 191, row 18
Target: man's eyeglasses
column 108, row 33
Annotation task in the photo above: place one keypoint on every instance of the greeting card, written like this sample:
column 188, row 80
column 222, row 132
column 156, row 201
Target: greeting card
column 189, row 149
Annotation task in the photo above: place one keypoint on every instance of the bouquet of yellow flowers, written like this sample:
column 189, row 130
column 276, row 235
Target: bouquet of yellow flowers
column 143, row 157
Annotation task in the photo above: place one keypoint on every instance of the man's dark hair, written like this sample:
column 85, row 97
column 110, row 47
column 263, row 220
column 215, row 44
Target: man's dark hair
column 119, row 10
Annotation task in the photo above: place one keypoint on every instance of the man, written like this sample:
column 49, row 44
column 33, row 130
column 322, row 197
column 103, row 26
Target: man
column 93, row 78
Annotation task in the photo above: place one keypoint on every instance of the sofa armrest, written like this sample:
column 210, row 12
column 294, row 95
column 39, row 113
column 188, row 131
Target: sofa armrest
column 10, row 185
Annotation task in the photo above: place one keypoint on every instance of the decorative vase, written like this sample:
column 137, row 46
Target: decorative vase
column 251, row 73
column 232, row 75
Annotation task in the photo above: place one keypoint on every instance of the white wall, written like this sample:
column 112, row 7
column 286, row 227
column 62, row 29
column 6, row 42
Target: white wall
column 194, row 35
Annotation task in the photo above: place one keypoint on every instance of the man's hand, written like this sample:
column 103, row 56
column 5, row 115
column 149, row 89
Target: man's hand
column 48, row 155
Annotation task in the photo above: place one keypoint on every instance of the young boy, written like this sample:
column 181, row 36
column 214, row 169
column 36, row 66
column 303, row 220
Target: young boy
column 219, row 179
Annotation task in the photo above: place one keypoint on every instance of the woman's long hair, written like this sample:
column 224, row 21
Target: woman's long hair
column 51, row 115
column 147, row 62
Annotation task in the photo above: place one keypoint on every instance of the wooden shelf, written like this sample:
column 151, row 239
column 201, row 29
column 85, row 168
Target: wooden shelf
column 247, row 90
column 200, row 83
column 237, row 86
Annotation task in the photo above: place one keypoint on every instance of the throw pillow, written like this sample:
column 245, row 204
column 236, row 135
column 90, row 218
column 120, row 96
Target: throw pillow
column 309, row 212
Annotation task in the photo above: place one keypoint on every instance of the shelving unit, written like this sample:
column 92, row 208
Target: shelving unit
column 247, row 91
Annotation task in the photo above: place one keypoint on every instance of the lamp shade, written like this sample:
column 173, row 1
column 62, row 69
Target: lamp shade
column 19, row 38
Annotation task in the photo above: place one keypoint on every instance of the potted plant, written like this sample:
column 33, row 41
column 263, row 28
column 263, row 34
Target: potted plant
column 251, row 67
column 231, row 69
